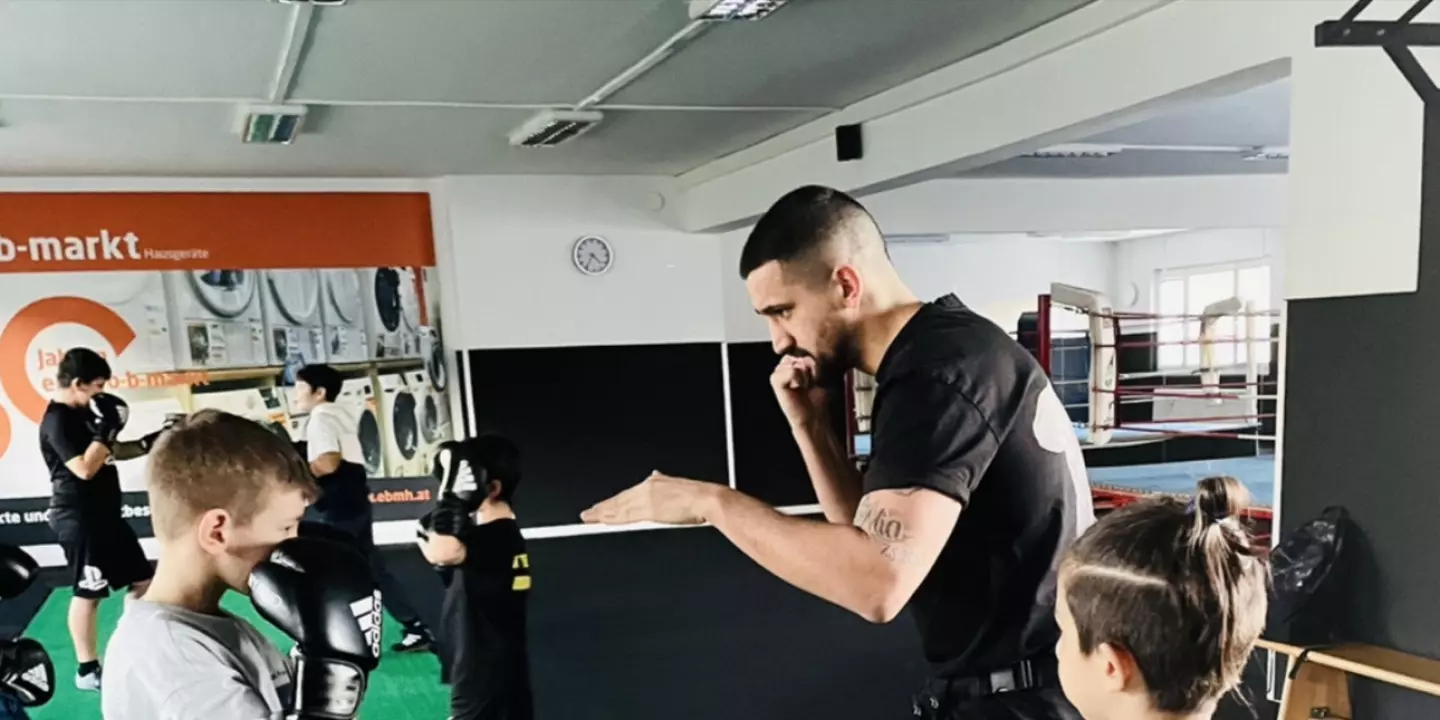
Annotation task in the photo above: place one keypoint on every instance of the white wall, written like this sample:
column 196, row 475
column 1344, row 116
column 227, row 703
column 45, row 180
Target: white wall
column 1137, row 261
column 1001, row 277
column 1068, row 205
column 741, row 322
column 515, row 286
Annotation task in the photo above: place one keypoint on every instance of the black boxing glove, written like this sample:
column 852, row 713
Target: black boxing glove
column 147, row 443
column 459, row 477
column 26, row 671
column 322, row 595
column 424, row 525
column 450, row 517
column 108, row 417
column 17, row 571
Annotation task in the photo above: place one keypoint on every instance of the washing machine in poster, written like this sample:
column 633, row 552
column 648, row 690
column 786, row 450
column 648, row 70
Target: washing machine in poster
column 432, row 346
column 392, row 312
column 263, row 405
column 401, row 429
column 357, row 396
column 432, row 416
column 138, row 298
column 295, row 419
column 343, row 312
column 294, row 328
column 85, row 301
column 216, row 318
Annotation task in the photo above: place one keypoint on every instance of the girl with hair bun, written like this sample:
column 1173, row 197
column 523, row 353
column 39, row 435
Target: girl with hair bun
column 1160, row 604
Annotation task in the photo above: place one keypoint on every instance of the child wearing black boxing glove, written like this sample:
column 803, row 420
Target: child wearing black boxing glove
column 473, row 537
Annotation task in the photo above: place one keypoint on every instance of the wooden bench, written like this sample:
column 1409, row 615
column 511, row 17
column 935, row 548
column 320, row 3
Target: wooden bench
column 1319, row 686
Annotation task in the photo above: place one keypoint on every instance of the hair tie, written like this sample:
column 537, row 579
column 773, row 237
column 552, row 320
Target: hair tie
column 1192, row 506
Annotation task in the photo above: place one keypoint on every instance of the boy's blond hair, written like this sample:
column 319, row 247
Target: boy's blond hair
column 214, row 460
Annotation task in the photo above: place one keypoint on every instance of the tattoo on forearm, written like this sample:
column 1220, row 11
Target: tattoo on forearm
column 887, row 530
column 885, row 526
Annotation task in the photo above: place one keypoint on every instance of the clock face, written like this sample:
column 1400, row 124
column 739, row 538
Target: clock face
column 592, row 255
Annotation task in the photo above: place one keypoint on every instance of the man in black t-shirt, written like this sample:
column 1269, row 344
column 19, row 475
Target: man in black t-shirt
column 473, row 538
column 975, row 485
column 78, row 442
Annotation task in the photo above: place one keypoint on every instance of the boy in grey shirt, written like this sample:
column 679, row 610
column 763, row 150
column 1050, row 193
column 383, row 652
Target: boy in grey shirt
column 224, row 491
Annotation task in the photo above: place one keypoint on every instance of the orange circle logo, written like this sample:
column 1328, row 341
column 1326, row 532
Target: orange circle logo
column 25, row 326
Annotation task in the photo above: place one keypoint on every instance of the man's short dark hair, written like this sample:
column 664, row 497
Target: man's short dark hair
column 322, row 377
column 501, row 459
column 798, row 225
column 81, row 365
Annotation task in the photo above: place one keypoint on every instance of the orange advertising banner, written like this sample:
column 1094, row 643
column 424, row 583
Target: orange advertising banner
column 72, row 232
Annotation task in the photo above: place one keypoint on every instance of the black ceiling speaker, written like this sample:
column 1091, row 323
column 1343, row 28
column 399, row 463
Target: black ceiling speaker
column 848, row 143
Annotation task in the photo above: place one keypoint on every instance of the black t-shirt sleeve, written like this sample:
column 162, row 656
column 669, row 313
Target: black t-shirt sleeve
column 64, row 436
column 490, row 556
column 928, row 434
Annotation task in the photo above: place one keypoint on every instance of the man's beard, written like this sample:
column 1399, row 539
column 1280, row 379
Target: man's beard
column 830, row 368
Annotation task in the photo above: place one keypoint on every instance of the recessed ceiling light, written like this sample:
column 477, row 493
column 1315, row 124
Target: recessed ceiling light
column 1078, row 150
column 722, row 10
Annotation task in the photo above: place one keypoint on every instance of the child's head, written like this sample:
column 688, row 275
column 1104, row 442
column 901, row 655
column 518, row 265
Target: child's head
column 82, row 374
column 224, row 491
column 316, row 384
column 501, row 460
column 1160, row 604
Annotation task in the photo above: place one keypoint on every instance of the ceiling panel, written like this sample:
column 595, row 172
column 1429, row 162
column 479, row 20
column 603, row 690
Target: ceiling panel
column 139, row 48
column 835, row 52
column 1131, row 163
column 1259, row 116
column 508, row 51
column 70, row 138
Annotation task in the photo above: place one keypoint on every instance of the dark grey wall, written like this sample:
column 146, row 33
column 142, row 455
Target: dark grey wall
column 1361, row 403
column 592, row 421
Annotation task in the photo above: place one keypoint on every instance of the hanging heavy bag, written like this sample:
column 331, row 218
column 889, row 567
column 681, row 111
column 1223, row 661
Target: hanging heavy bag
column 1309, row 571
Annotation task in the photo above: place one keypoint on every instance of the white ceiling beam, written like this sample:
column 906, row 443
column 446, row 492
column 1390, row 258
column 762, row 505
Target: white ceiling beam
column 292, row 49
column 1057, row 34
column 1141, row 66
column 1068, row 205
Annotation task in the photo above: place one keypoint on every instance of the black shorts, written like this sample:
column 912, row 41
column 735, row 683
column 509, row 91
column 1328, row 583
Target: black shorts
column 101, row 553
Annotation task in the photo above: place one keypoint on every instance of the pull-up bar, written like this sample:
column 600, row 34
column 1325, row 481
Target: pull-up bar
column 1396, row 37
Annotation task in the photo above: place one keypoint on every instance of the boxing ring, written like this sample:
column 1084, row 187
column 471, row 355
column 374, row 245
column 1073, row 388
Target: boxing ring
column 1148, row 427
column 1151, row 429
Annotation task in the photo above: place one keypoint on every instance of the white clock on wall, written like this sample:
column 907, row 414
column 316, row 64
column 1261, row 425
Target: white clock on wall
column 592, row 255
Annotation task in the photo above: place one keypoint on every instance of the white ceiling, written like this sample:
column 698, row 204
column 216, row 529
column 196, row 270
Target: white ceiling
column 1258, row 117
column 432, row 87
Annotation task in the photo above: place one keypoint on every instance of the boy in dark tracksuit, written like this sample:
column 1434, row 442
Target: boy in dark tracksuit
column 473, row 538
column 343, row 511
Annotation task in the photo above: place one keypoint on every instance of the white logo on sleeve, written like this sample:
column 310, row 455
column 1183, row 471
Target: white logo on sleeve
column 92, row 579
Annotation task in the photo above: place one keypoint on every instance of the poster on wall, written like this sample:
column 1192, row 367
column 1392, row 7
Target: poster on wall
column 215, row 300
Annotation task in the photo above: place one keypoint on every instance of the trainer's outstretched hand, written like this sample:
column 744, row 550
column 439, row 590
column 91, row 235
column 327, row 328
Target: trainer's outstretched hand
column 660, row 498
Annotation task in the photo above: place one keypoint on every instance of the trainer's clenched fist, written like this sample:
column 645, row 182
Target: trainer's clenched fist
column 803, row 400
